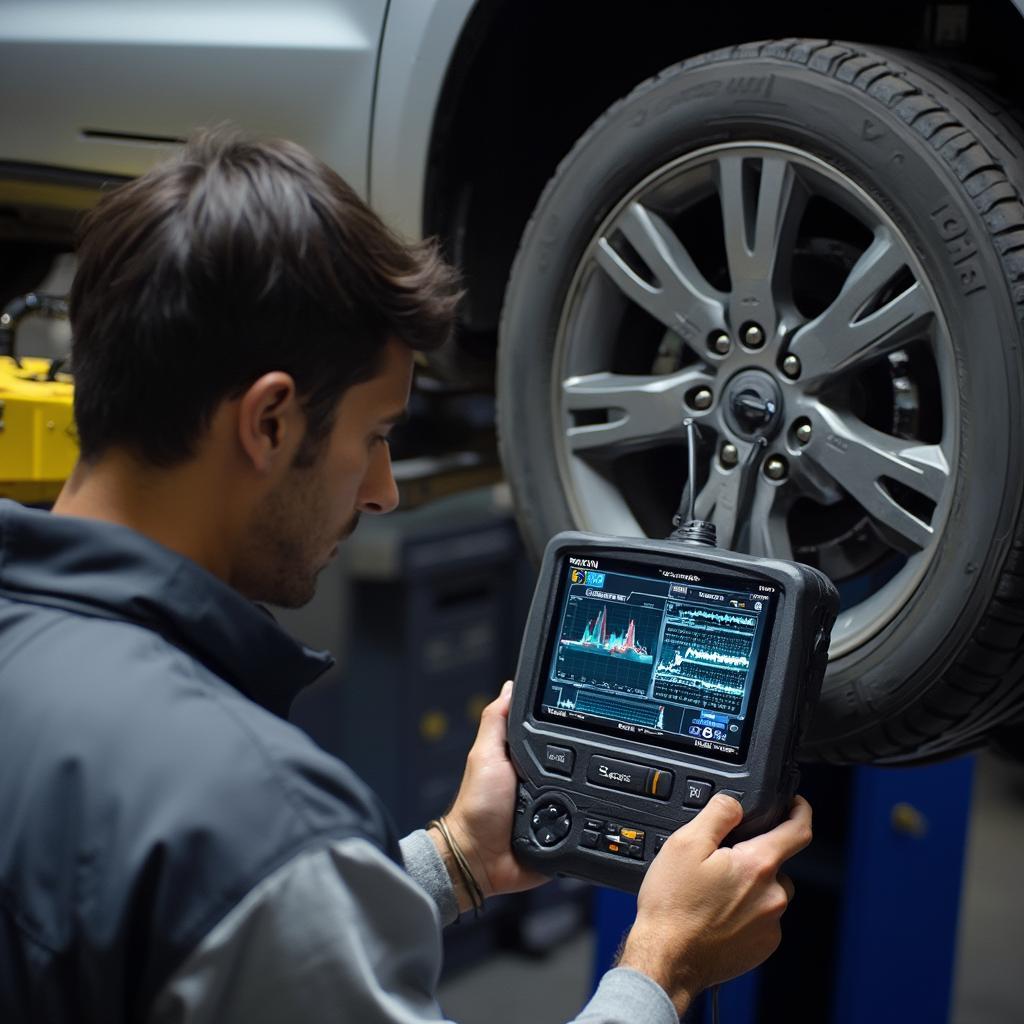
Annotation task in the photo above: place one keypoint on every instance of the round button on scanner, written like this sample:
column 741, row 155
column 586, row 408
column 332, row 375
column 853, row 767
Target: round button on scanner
column 550, row 823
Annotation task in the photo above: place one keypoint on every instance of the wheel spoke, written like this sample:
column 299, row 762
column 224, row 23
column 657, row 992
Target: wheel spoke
column 768, row 533
column 643, row 411
column 603, row 496
column 758, row 226
column 843, row 335
column 865, row 462
column 679, row 297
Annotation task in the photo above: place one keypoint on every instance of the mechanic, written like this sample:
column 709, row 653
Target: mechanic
column 172, row 848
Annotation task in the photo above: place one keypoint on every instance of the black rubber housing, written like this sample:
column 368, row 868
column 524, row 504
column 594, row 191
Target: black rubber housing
column 764, row 782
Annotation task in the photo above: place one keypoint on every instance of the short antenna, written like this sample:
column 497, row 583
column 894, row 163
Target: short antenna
column 691, row 459
column 694, row 530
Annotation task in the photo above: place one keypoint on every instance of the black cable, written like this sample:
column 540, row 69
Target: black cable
column 53, row 306
column 714, row 1004
column 759, row 442
column 686, row 512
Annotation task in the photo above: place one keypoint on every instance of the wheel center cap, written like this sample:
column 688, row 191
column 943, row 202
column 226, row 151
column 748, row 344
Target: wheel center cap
column 753, row 404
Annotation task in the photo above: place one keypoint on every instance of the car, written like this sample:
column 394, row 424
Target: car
column 798, row 225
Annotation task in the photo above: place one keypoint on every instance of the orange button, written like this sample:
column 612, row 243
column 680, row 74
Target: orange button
column 659, row 783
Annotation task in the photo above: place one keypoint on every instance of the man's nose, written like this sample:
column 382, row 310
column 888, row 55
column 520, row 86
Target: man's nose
column 380, row 492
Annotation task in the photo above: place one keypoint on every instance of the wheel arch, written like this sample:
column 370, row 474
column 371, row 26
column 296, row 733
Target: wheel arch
column 511, row 106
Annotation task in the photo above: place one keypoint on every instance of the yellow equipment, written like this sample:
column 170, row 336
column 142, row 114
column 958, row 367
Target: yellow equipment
column 38, row 447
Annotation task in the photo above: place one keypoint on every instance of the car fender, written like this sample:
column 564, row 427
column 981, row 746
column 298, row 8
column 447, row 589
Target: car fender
column 113, row 88
column 420, row 37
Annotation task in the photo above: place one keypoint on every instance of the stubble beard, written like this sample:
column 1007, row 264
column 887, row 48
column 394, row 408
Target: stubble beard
column 287, row 548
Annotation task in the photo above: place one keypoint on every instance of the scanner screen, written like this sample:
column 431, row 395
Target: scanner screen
column 657, row 653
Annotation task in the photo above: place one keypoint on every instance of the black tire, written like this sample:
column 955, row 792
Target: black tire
column 945, row 165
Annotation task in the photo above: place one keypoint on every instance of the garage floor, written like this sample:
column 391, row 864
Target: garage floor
column 989, row 985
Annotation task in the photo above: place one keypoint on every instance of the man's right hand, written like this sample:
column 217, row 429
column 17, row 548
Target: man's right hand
column 705, row 914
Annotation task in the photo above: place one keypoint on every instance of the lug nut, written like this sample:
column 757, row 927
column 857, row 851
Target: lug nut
column 791, row 367
column 720, row 343
column 702, row 399
column 775, row 468
column 753, row 336
column 803, row 432
column 729, row 455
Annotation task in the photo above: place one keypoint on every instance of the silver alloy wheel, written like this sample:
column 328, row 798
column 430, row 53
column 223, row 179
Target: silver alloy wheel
column 859, row 430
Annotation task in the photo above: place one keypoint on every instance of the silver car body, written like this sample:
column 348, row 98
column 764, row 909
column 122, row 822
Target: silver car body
column 107, row 87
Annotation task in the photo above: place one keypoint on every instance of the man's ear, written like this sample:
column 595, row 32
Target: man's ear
column 270, row 421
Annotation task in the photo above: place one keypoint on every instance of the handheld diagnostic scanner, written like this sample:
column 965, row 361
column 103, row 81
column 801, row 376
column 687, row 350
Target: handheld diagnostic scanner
column 654, row 674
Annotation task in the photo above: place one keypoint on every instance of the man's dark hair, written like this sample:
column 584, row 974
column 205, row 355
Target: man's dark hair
column 237, row 258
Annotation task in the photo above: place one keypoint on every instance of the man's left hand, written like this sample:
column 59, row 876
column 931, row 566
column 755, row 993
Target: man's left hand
column 481, row 817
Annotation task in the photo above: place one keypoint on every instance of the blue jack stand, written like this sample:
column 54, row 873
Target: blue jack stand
column 871, row 934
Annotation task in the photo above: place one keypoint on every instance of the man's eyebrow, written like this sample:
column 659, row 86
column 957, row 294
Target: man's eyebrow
column 395, row 418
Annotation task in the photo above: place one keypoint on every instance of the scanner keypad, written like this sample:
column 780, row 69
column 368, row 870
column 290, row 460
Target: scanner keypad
column 613, row 837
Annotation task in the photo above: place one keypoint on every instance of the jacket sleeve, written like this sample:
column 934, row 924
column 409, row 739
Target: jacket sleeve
column 342, row 934
column 624, row 995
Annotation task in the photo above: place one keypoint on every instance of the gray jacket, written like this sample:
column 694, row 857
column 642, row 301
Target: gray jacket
column 172, row 849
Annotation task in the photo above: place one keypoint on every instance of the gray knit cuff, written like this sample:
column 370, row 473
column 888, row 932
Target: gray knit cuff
column 424, row 865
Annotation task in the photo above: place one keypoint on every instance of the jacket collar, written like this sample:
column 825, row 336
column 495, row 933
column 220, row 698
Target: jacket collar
column 110, row 571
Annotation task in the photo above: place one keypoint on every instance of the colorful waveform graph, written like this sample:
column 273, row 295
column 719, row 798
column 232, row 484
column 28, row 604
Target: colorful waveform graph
column 697, row 656
column 598, row 639
column 703, row 617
